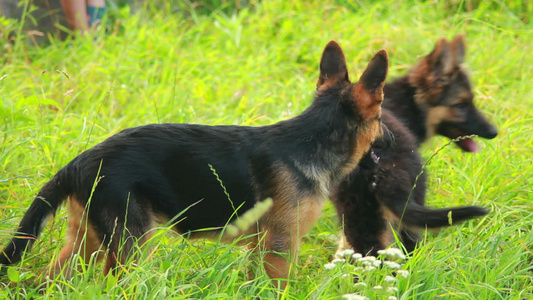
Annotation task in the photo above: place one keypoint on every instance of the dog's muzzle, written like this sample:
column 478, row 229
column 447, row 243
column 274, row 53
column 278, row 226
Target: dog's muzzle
column 371, row 159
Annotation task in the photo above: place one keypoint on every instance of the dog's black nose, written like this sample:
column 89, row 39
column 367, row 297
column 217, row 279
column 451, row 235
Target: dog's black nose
column 491, row 133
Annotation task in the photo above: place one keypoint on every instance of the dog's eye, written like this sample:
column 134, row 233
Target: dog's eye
column 441, row 81
column 461, row 105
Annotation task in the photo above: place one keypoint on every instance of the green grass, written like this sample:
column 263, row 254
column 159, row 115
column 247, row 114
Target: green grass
column 256, row 67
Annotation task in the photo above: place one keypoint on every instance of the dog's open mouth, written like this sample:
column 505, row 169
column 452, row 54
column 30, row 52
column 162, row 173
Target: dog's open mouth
column 453, row 131
column 375, row 158
column 467, row 144
column 369, row 161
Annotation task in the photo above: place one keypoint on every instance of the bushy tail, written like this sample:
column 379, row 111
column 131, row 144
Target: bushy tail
column 45, row 204
column 421, row 216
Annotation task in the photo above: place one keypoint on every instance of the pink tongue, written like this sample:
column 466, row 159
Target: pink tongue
column 467, row 145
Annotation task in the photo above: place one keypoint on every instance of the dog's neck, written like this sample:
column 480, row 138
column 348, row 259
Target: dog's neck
column 400, row 101
column 330, row 137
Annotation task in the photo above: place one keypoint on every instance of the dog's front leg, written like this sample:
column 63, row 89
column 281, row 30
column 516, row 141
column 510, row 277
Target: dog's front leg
column 281, row 250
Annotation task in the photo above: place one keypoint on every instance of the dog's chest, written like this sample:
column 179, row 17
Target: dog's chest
column 321, row 179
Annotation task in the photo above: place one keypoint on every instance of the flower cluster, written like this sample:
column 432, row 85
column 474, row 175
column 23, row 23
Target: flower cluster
column 374, row 277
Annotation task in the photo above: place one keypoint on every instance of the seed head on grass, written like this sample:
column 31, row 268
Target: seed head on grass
column 249, row 218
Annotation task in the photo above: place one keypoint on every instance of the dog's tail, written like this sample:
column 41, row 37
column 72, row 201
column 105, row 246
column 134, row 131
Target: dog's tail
column 45, row 205
column 420, row 216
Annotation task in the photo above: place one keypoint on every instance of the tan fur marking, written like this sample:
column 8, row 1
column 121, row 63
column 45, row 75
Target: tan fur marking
column 421, row 77
column 297, row 209
column 369, row 107
column 387, row 237
column 323, row 85
column 463, row 97
column 366, row 134
column 291, row 217
column 342, row 245
column 82, row 239
column 368, row 104
column 437, row 115
column 276, row 264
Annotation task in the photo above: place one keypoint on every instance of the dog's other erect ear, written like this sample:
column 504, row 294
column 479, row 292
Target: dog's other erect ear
column 368, row 92
column 332, row 66
column 440, row 60
column 459, row 49
column 373, row 78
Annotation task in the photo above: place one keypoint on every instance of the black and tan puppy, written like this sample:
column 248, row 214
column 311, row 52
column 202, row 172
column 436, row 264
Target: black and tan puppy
column 118, row 190
column 435, row 97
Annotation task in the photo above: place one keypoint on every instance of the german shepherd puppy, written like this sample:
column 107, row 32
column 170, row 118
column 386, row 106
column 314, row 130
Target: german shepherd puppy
column 435, row 97
column 118, row 190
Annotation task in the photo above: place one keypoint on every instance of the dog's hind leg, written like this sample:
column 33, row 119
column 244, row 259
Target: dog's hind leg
column 82, row 240
column 126, row 230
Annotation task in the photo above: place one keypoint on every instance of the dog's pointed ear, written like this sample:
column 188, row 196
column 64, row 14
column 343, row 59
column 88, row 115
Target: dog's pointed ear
column 368, row 92
column 375, row 74
column 332, row 66
column 440, row 60
column 459, row 49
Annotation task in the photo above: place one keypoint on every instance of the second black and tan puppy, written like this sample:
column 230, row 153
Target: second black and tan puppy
column 118, row 190
column 435, row 97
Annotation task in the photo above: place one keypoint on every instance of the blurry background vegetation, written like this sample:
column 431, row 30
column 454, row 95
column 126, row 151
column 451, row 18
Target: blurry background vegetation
column 255, row 63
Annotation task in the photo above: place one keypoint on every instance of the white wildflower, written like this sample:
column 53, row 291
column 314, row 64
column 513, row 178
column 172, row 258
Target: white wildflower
column 392, row 253
column 392, row 298
column 392, row 289
column 345, row 275
column 368, row 258
column 353, row 297
column 357, row 256
column 392, row 265
column 378, row 287
column 377, row 263
column 359, row 284
column 338, row 260
column 389, row 279
column 345, row 252
column 329, row 266
column 403, row 273
column 369, row 268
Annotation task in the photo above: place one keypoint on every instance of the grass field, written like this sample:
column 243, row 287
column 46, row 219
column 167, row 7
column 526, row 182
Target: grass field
column 255, row 66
